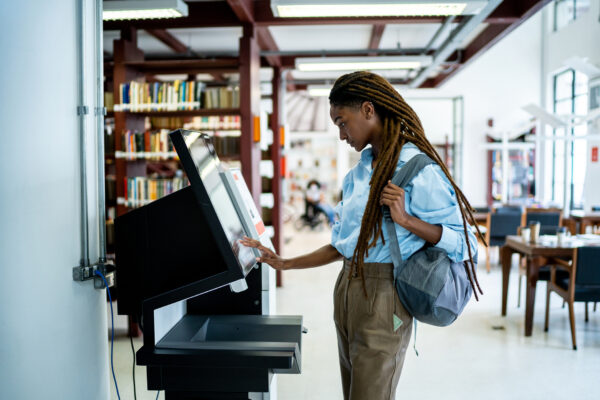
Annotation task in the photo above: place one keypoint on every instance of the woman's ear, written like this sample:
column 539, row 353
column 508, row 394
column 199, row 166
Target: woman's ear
column 368, row 109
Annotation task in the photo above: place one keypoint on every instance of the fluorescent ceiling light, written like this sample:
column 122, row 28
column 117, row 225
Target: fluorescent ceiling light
column 361, row 63
column 319, row 90
column 143, row 9
column 376, row 8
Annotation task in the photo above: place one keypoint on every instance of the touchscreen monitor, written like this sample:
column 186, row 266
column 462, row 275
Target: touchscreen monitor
column 209, row 168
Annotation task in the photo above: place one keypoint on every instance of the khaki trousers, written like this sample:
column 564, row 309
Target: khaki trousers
column 371, row 351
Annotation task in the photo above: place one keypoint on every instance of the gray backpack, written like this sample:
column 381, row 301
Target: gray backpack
column 432, row 288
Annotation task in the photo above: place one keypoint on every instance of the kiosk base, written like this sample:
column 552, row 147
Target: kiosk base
column 212, row 396
column 223, row 356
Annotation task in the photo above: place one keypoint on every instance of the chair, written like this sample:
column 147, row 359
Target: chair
column 582, row 284
column 550, row 220
column 547, row 217
column 500, row 225
column 506, row 209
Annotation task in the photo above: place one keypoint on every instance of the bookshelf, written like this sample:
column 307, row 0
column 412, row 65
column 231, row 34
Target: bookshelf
column 140, row 171
column 234, row 123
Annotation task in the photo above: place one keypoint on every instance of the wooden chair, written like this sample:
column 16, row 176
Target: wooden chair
column 582, row 284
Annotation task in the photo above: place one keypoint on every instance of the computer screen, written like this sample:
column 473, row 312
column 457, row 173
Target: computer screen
column 209, row 169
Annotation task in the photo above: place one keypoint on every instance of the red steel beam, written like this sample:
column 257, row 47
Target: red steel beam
column 267, row 42
column 249, row 109
column 524, row 9
column 167, row 38
column 243, row 9
column 376, row 34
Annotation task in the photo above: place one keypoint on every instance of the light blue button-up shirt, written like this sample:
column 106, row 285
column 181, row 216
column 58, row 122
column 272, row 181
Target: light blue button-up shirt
column 429, row 197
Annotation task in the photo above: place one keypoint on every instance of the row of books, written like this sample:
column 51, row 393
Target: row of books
column 214, row 122
column 172, row 96
column 148, row 141
column 140, row 190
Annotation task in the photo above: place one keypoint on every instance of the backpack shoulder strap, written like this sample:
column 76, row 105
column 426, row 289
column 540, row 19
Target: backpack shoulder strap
column 402, row 178
column 409, row 170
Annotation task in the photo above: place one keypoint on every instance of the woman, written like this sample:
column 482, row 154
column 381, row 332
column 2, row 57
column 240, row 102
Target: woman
column 373, row 328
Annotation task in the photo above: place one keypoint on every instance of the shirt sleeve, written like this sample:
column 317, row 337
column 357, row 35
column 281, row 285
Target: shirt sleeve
column 433, row 200
column 337, row 226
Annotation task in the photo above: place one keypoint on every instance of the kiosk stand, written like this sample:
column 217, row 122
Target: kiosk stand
column 194, row 289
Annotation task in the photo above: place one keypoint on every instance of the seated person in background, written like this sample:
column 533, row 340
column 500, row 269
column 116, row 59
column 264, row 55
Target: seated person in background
column 315, row 202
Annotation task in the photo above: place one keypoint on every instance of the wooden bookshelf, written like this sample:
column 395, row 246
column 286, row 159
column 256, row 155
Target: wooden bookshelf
column 204, row 112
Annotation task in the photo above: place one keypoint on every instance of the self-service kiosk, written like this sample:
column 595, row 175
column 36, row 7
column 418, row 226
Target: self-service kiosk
column 199, row 296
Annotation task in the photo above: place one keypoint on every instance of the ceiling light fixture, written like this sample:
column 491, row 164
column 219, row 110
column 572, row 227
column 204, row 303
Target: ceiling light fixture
column 143, row 9
column 361, row 63
column 377, row 8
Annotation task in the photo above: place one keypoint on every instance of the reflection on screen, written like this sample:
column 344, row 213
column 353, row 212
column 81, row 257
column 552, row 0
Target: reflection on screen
column 208, row 168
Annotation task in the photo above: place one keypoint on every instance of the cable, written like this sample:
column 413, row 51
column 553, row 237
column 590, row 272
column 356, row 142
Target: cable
column 112, row 329
column 133, row 368
column 157, row 393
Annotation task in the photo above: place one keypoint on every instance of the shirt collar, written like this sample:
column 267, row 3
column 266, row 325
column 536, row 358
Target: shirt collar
column 409, row 150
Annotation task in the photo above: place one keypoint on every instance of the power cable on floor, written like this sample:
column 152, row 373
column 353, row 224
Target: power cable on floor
column 112, row 330
column 133, row 368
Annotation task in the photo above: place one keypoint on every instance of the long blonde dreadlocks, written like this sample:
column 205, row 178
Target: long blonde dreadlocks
column 400, row 125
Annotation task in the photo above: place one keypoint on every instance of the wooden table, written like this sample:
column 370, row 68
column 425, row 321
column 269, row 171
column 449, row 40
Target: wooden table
column 537, row 255
column 585, row 219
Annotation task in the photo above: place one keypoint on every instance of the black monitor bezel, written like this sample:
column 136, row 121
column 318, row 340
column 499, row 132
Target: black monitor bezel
column 204, row 201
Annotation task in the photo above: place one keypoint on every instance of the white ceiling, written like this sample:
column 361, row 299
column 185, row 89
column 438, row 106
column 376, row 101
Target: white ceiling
column 296, row 38
column 321, row 37
column 409, row 35
column 210, row 39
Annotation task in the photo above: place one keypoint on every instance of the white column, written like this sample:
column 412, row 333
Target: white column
column 53, row 330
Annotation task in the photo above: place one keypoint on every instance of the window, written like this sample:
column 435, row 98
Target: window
column 570, row 97
column 566, row 11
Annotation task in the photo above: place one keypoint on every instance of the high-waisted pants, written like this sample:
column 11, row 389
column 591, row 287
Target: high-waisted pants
column 372, row 342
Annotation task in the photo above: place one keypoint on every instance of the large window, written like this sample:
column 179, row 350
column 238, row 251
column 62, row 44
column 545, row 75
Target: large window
column 566, row 11
column 570, row 97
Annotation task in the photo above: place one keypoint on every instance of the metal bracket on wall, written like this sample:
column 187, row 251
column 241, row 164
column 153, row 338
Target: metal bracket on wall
column 86, row 272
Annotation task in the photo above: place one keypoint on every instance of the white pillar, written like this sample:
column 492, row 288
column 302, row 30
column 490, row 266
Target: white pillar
column 53, row 330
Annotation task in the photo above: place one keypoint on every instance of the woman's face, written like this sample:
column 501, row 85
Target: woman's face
column 358, row 125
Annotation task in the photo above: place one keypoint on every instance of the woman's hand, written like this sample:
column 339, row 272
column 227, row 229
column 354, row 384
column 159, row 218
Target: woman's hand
column 267, row 255
column 393, row 197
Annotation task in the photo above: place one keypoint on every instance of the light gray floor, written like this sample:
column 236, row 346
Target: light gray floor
column 482, row 355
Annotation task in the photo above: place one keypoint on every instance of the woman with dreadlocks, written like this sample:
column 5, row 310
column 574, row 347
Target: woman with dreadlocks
column 373, row 328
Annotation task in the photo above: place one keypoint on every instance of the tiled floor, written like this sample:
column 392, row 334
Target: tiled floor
column 482, row 355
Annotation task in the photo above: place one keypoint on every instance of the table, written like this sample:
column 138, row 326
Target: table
column 585, row 219
column 537, row 256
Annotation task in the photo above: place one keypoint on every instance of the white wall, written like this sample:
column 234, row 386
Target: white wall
column 578, row 39
column 53, row 330
column 495, row 85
